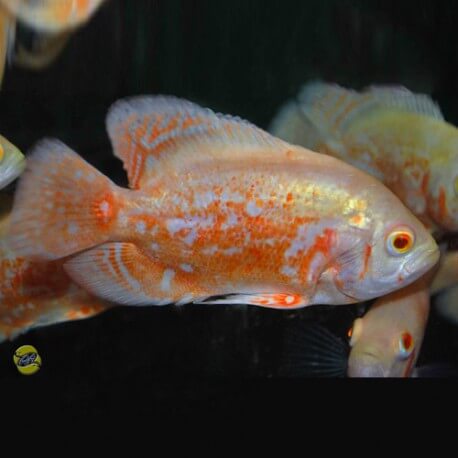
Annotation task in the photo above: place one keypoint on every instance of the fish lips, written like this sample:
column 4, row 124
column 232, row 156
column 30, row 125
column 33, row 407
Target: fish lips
column 420, row 264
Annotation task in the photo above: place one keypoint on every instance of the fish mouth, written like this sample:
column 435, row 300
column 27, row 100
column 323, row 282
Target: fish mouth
column 422, row 263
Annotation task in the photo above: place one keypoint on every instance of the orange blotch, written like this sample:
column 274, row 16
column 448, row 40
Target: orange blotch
column 367, row 255
column 289, row 197
column 425, row 184
column 104, row 209
column 280, row 300
column 356, row 220
column 442, row 204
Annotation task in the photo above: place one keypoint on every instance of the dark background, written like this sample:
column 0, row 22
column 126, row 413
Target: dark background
column 243, row 57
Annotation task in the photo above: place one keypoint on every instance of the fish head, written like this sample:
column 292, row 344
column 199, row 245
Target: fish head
column 400, row 250
column 379, row 349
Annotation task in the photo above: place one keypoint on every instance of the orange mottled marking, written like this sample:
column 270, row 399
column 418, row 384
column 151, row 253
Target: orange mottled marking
column 357, row 219
column 104, row 209
column 442, row 205
column 279, row 300
column 367, row 255
column 425, row 184
column 289, row 197
column 322, row 244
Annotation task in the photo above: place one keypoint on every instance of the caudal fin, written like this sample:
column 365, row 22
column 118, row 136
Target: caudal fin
column 46, row 311
column 62, row 205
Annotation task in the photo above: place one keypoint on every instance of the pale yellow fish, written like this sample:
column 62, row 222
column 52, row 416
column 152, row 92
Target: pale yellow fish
column 399, row 137
column 218, row 207
column 12, row 162
column 386, row 341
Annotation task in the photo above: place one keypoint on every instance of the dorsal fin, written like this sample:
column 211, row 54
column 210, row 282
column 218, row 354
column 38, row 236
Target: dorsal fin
column 332, row 108
column 143, row 128
column 401, row 98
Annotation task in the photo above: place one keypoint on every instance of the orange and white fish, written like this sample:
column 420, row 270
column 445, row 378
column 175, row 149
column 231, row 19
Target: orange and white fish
column 35, row 294
column 53, row 16
column 399, row 137
column 12, row 162
column 218, row 207
column 51, row 21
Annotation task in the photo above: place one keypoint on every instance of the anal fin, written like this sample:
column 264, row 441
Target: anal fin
column 269, row 300
column 124, row 274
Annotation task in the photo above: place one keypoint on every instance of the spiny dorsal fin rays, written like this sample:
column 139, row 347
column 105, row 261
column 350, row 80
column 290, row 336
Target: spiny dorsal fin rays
column 401, row 98
column 332, row 108
column 143, row 129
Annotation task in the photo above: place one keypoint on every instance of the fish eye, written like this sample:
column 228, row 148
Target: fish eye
column 455, row 186
column 400, row 241
column 406, row 345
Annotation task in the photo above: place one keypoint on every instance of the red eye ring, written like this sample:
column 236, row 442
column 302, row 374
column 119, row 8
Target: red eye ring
column 400, row 241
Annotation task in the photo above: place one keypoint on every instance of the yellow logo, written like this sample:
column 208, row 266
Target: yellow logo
column 27, row 360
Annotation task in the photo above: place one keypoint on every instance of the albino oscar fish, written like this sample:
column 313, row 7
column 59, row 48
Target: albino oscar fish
column 35, row 294
column 218, row 207
column 399, row 137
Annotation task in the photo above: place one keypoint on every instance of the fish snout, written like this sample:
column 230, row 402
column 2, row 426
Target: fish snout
column 423, row 262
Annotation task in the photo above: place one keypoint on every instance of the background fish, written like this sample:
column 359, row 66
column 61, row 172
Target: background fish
column 386, row 341
column 37, row 294
column 218, row 207
column 50, row 24
column 52, row 15
column 397, row 136
column 12, row 162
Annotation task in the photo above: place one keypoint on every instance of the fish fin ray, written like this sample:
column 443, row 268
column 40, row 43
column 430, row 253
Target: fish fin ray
column 123, row 273
column 331, row 108
column 62, row 204
column 48, row 312
column 291, row 125
column 401, row 98
column 146, row 130
column 269, row 300
column 310, row 350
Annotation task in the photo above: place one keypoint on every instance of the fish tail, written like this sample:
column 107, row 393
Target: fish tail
column 63, row 205
column 41, row 312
